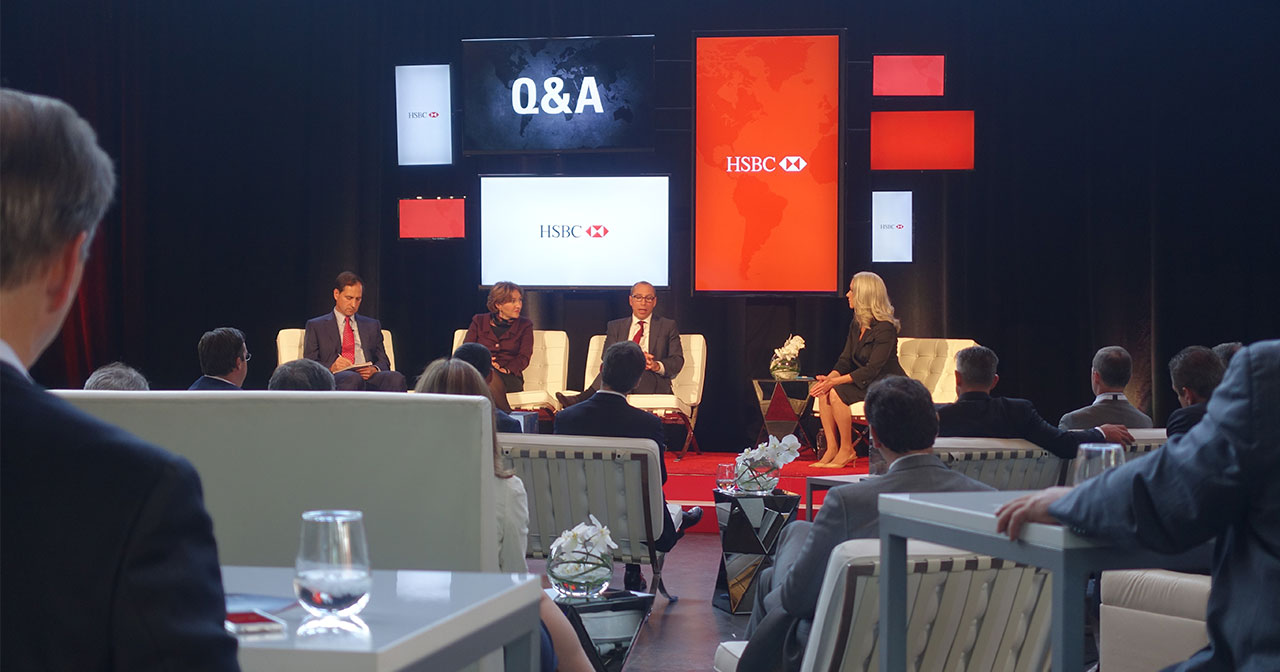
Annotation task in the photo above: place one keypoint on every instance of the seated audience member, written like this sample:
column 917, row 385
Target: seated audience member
column 1112, row 367
column 1195, row 372
column 561, row 649
column 509, row 338
column 479, row 357
column 108, row 554
column 351, row 345
column 117, row 376
column 224, row 360
column 1225, row 351
column 301, row 375
column 904, row 424
column 977, row 413
column 607, row 413
column 1219, row 481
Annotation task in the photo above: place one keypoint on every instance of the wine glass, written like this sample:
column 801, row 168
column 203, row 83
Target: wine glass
column 726, row 475
column 332, row 571
column 1095, row 458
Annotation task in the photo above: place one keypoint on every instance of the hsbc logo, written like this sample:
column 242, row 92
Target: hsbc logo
column 764, row 164
column 423, row 115
column 574, row 231
column 597, row 231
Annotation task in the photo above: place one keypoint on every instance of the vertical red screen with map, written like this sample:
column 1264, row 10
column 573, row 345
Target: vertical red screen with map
column 767, row 164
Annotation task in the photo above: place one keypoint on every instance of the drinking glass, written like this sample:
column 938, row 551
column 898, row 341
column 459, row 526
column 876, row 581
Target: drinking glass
column 1095, row 458
column 332, row 571
column 726, row 474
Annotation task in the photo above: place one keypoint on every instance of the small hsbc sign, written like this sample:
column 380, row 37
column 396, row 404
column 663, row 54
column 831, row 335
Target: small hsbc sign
column 764, row 164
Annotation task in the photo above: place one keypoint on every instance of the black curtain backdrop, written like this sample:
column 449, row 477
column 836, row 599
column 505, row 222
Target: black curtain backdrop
column 1127, row 163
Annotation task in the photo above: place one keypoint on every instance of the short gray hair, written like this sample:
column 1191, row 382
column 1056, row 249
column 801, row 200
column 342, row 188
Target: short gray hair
column 1114, row 365
column 57, row 182
column 306, row 375
column 117, row 376
column 977, row 365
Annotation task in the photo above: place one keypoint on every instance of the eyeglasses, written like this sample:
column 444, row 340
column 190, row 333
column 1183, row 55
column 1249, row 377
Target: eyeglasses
column 247, row 357
column 644, row 299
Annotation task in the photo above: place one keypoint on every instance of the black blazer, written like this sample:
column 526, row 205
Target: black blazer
column 664, row 345
column 108, row 554
column 1182, row 420
column 211, row 384
column 605, row 414
column 980, row 414
column 868, row 359
column 322, row 343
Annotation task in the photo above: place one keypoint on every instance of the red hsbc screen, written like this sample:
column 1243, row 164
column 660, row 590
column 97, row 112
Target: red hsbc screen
column 767, row 164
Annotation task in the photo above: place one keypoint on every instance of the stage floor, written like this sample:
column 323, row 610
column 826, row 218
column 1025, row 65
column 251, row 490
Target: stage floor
column 691, row 480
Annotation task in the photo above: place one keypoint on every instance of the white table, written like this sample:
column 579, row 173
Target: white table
column 967, row 520
column 417, row 620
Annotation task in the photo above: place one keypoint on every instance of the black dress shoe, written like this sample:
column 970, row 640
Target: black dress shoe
column 633, row 580
column 690, row 518
column 566, row 401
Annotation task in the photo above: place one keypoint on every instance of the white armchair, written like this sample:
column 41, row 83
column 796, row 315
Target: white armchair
column 289, row 344
column 547, row 371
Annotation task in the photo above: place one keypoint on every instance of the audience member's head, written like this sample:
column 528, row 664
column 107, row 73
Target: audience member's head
column 1112, row 367
column 976, row 369
column 455, row 376
column 57, row 183
column 301, row 375
column 1195, row 371
column 1225, row 351
column 477, row 356
column 117, row 376
column 902, row 416
column 223, row 354
column 622, row 367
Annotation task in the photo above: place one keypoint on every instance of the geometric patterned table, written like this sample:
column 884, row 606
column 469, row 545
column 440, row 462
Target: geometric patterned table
column 749, row 529
column 782, row 405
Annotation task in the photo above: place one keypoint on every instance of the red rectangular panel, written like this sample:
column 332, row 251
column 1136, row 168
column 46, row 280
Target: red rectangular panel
column 433, row 218
column 908, row 75
column 934, row 140
column 767, row 163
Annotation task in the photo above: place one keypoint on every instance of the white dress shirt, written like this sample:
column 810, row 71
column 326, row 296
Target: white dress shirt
column 9, row 356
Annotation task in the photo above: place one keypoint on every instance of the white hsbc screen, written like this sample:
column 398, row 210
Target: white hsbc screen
column 424, row 115
column 890, row 226
column 574, row 231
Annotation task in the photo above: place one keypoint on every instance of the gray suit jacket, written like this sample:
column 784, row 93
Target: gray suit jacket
column 1221, row 479
column 1106, row 412
column 664, row 345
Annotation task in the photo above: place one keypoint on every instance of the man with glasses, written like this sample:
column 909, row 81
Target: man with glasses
column 658, row 337
column 224, row 360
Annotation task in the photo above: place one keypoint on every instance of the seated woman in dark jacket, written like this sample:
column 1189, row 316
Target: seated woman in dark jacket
column 871, row 353
column 508, row 336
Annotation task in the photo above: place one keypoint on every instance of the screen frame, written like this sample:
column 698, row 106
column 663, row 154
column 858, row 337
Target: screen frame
column 572, row 288
column 653, row 73
column 843, row 100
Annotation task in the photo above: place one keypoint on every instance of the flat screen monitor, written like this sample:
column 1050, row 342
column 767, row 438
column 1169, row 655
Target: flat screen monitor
column 567, row 94
column 574, row 232
column 424, row 115
column 433, row 218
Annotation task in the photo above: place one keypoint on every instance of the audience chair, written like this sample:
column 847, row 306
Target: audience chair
column 547, row 371
column 289, row 346
column 965, row 612
column 1151, row 618
column 1004, row 464
column 1144, row 442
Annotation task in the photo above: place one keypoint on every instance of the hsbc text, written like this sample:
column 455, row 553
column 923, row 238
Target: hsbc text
column 763, row 164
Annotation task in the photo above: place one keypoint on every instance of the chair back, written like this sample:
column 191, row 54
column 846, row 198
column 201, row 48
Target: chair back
column 932, row 361
column 1004, row 464
column 1145, row 442
column 568, row 478
column 289, row 344
column 687, row 385
column 964, row 611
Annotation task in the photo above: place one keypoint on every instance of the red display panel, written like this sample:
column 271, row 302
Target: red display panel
column 908, row 75
column 935, row 140
column 433, row 218
column 767, row 164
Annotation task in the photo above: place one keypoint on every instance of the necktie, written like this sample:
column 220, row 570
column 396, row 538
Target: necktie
column 349, row 342
column 639, row 333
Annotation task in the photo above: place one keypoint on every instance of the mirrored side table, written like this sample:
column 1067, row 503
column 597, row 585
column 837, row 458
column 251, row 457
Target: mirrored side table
column 749, row 529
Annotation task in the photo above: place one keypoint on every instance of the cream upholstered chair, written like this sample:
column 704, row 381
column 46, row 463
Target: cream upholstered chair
column 680, row 407
column 289, row 346
column 1151, row 618
column 547, row 371
column 568, row 478
column 932, row 361
column 965, row 612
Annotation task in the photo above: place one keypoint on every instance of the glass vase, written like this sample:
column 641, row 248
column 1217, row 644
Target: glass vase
column 784, row 369
column 580, row 572
column 758, row 478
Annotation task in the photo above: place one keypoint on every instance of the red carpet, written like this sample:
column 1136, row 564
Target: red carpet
column 691, row 480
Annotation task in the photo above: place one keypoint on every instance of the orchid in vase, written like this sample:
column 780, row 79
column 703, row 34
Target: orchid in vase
column 581, row 561
column 758, row 467
column 784, row 365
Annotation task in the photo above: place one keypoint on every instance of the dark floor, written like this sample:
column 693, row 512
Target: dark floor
column 683, row 636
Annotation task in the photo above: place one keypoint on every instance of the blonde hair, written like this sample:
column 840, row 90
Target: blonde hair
column 871, row 300
column 454, row 376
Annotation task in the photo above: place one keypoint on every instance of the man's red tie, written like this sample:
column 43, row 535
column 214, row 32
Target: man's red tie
column 349, row 342
column 639, row 333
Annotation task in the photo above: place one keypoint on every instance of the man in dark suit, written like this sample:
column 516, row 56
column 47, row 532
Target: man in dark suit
column 1112, row 367
column 349, row 344
column 1221, row 481
column 1195, row 372
column 108, row 554
column 977, row 413
column 658, row 337
column 481, row 359
column 224, row 360
column 903, row 425
column 607, row 413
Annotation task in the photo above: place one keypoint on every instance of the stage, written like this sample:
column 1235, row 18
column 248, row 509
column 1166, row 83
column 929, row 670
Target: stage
column 691, row 480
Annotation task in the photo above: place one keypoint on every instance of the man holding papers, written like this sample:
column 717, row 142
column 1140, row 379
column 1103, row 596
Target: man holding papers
column 349, row 344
